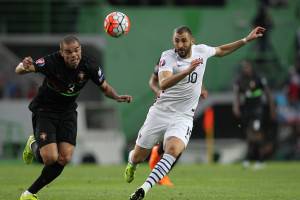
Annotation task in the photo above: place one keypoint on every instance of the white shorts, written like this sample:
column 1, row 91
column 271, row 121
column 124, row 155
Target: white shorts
column 161, row 124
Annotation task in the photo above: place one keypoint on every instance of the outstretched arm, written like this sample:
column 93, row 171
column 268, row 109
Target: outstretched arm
column 226, row 49
column 111, row 93
column 26, row 66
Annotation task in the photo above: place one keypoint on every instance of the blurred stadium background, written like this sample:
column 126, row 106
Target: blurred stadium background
column 106, row 129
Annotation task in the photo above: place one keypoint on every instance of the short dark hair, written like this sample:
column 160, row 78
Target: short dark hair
column 183, row 29
column 69, row 39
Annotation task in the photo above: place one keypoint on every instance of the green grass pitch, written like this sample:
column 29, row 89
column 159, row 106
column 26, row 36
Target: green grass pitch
column 278, row 181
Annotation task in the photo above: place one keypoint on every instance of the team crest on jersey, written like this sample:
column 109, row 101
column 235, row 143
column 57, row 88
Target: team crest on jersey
column 162, row 62
column 81, row 76
column 40, row 62
column 43, row 136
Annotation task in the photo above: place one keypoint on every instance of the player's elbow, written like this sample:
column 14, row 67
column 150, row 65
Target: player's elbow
column 220, row 51
column 163, row 86
column 150, row 83
column 19, row 69
column 165, row 83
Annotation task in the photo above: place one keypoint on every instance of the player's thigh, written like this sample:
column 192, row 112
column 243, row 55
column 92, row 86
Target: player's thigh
column 49, row 153
column 65, row 151
column 181, row 128
column 153, row 129
column 67, row 131
column 44, row 128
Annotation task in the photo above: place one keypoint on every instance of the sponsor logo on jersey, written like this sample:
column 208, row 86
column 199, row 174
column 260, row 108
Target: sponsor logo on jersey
column 40, row 62
column 162, row 62
column 43, row 136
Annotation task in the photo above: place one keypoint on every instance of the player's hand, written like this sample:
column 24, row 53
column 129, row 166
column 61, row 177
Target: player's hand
column 124, row 98
column 27, row 62
column 195, row 63
column 255, row 33
column 204, row 94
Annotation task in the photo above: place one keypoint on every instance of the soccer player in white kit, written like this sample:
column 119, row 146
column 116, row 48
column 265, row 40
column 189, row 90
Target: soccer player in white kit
column 170, row 119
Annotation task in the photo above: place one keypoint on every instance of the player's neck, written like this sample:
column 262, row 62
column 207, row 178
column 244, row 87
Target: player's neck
column 189, row 55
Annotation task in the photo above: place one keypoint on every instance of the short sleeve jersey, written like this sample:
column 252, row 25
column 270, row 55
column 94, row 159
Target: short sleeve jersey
column 183, row 97
column 62, row 85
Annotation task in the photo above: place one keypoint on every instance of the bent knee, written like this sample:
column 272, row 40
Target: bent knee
column 64, row 159
column 173, row 152
column 174, row 146
column 49, row 159
column 139, row 156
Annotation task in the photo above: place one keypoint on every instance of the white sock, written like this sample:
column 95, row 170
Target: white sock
column 161, row 169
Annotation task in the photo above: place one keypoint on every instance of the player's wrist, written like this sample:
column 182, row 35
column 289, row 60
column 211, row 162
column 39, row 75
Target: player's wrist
column 187, row 71
column 244, row 40
column 118, row 98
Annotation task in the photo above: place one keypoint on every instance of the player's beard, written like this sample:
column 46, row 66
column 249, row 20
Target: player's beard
column 73, row 63
column 183, row 52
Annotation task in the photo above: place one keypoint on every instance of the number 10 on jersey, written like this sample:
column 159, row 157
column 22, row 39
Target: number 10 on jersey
column 192, row 77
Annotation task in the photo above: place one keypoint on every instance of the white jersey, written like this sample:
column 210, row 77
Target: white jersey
column 183, row 97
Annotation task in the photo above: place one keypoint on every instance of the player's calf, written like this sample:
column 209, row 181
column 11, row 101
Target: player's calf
column 136, row 156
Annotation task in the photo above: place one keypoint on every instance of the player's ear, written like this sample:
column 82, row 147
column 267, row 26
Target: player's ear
column 60, row 50
column 193, row 40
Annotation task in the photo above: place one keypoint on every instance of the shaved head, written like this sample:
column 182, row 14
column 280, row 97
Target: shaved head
column 70, row 50
column 68, row 40
column 183, row 29
column 183, row 41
